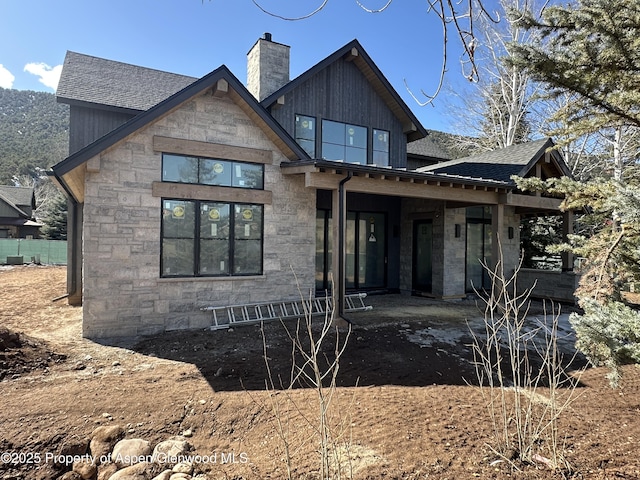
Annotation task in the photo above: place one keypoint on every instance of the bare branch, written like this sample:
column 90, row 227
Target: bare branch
column 290, row 19
column 368, row 10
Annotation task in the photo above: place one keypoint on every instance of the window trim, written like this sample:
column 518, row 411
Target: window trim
column 196, row 240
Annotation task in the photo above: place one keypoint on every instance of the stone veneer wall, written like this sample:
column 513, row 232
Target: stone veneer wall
column 449, row 252
column 123, row 292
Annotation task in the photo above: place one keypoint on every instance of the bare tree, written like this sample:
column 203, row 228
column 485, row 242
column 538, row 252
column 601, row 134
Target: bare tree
column 458, row 19
column 497, row 107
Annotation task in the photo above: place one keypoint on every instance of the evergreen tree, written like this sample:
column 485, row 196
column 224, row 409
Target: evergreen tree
column 55, row 220
column 591, row 51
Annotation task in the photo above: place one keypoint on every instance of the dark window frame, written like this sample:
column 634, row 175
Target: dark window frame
column 233, row 164
column 196, row 238
column 298, row 135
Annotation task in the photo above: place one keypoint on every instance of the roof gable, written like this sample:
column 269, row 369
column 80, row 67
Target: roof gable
column 354, row 52
column 221, row 76
column 18, row 199
column 503, row 163
column 104, row 83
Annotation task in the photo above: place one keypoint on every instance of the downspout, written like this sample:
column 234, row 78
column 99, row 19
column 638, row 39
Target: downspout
column 342, row 200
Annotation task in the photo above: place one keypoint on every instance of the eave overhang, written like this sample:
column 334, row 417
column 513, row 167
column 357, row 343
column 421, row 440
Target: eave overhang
column 456, row 191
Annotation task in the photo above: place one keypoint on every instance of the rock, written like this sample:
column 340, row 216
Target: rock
column 139, row 471
column 72, row 446
column 85, row 468
column 70, row 476
column 183, row 467
column 187, row 433
column 163, row 476
column 106, row 470
column 169, row 449
column 179, row 476
column 129, row 451
column 103, row 439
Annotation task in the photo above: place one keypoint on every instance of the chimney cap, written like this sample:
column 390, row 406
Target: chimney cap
column 267, row 36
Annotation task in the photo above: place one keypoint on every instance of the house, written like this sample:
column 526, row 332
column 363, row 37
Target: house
column 188, row 193
column 17, row 205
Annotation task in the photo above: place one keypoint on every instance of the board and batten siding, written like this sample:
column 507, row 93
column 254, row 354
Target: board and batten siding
column 86, row 125
column 341, row 93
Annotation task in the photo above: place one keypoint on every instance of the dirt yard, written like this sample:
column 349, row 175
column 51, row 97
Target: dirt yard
column 409, row 409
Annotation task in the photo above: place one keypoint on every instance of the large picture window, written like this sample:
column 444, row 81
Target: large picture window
column 211, row 171
column 201, row 238
column 342, row 141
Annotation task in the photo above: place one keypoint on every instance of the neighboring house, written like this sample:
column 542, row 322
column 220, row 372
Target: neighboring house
column 192, row 192
column 17, row 205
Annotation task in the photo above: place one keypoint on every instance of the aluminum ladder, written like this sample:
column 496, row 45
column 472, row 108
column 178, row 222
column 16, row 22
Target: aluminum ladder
column 227, row 316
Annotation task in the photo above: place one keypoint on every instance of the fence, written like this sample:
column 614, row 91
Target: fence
column 20, row 250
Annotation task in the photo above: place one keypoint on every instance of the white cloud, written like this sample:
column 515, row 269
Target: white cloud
column 49, row 76
column 6, row 77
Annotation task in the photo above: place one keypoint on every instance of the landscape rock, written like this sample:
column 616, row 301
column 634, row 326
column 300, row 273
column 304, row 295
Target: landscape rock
column 103, row 439
column 85, row 468
column 106, row 470
column 179, row 476
column 183, row 467
column 166, row 475
column 169, row 449
column 70, row 476
column 129, row 451
column 139, row 471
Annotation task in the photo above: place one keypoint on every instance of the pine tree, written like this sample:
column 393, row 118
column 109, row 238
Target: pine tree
column 55, row 220
column 591, row 51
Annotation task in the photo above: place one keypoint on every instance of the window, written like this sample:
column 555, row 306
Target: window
column 209, row 171
column 342, row 141
column 306, row 134
column 211, row 238
column 380, row 147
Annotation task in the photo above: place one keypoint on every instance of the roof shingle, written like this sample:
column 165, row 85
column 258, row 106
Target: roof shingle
column 96, row 80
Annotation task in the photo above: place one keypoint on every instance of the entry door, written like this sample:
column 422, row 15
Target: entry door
column 366, row 250
column 422, row 256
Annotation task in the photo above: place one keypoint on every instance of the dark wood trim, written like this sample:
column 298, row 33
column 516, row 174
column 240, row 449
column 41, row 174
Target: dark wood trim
column 215, row 150
column 211, row 193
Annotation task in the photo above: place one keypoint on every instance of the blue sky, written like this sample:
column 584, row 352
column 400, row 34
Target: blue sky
column 193, row 37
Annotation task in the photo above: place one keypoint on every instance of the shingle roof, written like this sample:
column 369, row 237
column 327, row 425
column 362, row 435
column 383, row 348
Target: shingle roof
column 17, row 197
column 241, row 96
column 426, row 147
column 495, row 165
column 94, row 80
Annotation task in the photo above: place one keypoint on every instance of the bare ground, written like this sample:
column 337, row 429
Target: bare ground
column 410, row 409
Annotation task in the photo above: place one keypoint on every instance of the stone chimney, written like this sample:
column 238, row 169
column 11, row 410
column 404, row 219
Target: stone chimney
column 267, row 67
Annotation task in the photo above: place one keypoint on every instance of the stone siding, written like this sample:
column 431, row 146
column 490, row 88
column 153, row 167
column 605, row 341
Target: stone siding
column 123, row 292
column 549, row 284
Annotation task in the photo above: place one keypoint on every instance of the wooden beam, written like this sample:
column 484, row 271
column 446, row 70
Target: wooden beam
column 530, row 201
column 396, row 188
column 212, row 150
column 209, row 192
column 221, row 88
column 351, row 55
column 93, row 164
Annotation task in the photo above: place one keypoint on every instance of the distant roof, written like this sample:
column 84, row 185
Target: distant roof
column 17, row 197
column 497, row 164
column 426, row 147
column 93, row 80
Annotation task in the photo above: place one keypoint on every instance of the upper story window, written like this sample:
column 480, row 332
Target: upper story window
column 211, row 171
column 380, row 147
column 342, row 141
column 306, row 134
